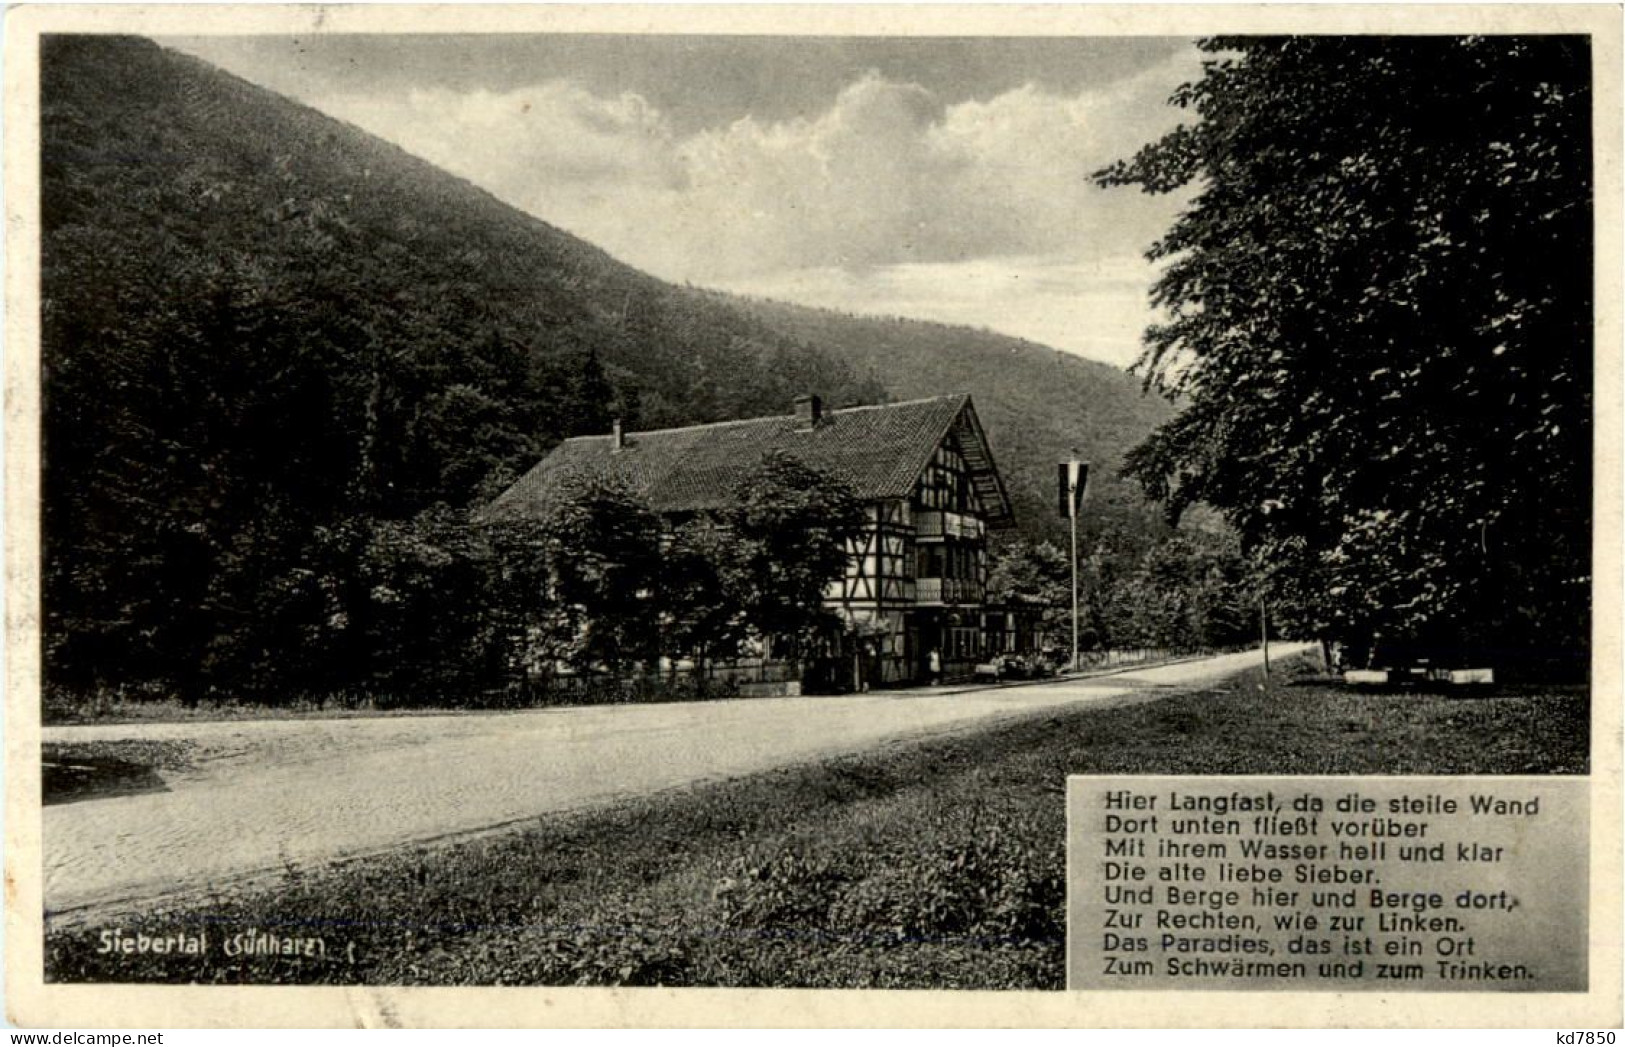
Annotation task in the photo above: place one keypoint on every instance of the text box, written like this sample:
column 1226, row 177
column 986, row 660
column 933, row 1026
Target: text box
column 1404, row 884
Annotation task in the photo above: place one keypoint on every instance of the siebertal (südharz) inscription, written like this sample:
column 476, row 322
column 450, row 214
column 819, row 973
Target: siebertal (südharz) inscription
column 1333, row 884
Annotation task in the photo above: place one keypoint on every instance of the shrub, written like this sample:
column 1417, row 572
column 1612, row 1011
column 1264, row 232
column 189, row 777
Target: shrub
column 787, row 889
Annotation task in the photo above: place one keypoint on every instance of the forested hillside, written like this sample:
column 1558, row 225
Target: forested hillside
column 281, row 357
column 263, row 330
column 1143, row 582
column 1039, row 405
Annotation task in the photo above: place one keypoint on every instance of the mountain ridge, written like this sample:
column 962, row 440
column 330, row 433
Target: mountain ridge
column 672, row 355
column 1038, row 403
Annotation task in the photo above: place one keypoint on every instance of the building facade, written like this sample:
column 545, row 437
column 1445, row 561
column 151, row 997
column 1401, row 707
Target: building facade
column 916, row 578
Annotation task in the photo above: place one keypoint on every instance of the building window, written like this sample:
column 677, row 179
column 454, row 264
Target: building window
column 998, row 639
column 963, row 643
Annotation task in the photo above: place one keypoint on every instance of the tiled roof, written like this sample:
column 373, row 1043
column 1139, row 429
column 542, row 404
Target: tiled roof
column 878, row 451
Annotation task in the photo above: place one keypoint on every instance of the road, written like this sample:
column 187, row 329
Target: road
column 264, row 794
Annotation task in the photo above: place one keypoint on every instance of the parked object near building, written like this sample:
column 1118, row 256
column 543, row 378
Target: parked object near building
column 1418, row 674
column 1002, row 668
column 916, row 578
column 1391, row 662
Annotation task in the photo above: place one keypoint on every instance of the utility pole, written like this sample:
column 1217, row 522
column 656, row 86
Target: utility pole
column 1072, row 480
column 1263, row 590
column 1264, row 634
column 1074, row 518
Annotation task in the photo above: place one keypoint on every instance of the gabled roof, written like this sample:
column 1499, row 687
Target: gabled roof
column 878, row 451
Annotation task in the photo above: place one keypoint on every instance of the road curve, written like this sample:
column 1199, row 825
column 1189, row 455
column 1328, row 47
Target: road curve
column 276, row 792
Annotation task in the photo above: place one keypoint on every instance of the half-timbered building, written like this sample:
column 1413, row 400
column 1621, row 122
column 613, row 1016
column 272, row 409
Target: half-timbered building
column 916, row 579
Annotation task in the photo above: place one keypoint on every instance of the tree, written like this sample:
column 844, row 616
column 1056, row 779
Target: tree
column 590, row 405
column 1379, row 329
column 700, row 593
column 1188, row 593
column 518, row 595
column 1036, row 574
column 427, row 597
column 273, row 351
column 603, row 557
column 793, row 525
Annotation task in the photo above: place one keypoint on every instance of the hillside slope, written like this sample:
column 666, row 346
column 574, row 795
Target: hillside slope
column 1039, row 405
column 272, row 345
column 167, row 181
column 266, row 335
column 454, row 337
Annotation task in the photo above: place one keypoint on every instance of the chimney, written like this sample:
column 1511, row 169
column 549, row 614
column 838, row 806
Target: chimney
column 809, row 411
column 617, row 435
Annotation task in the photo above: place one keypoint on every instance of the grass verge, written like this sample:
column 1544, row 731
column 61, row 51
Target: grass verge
column 935, row 865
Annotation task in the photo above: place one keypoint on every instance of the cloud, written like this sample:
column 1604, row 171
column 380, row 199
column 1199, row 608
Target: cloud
column 552, row 132
column 553, row 149
column 888, row 174
column 1097, row 309
column 907, row 194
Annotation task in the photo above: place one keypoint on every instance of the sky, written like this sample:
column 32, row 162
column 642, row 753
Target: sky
column 937, row 178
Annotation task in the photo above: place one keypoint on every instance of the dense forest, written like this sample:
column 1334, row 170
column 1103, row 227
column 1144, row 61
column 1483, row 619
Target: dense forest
column 265, row 333
column 282, row 358
column 1380, row 321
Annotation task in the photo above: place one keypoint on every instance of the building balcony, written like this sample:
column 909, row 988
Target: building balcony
column 944, row 591
column 934, row 524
